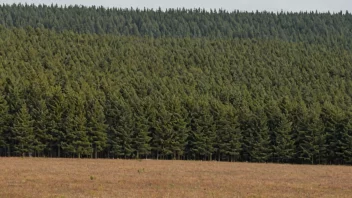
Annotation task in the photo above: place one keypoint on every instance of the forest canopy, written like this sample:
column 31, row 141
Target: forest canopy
column 180, row 84
column 312, row 27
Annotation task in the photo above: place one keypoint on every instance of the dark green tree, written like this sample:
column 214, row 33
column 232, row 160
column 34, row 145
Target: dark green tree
column 4, row 122
column 22, row 132
column 96, row 127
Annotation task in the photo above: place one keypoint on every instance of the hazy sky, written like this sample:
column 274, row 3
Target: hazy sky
column 269, row 5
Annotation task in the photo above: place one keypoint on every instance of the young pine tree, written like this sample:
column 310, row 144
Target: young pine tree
column 4, row 121
column 23, row 134
column 96, row 127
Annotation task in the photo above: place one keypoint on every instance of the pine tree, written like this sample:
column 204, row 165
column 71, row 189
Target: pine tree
column 141, row 138
column 201, row 140
column 255, row 132
column 4, row 121
column 40, row 116
column 309, row 139
column 179, row 135
column 298, row 116
column 284, row 144
column 120, row 131
column 261, row 151
column 111, row 115
column 347, row 142
column 81, row 143
column 76, row 139
column 22, row 132
column 228, row 141
column 332, row 117
column 162, row 133
column 96, row 127
column 280, row 133
column 55, row 126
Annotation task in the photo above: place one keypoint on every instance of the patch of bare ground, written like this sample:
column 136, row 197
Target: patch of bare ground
column 39, row 177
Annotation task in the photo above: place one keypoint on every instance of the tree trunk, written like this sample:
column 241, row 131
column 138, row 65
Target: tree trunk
column 58, row 151
column 8, row 151
column 22, row 151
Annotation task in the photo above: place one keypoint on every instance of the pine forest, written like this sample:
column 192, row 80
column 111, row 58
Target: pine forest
column 185, row 84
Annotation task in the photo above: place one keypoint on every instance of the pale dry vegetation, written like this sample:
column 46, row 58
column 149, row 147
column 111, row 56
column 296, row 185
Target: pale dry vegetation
column 38, row 177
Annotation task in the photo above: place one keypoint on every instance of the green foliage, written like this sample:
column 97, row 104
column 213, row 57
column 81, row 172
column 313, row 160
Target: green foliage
column 22, row 132
column 4, row 121
column 141, row 137
column 96, row 127
column 179, row 84
column 76, row 141
column 279, row 126
column 333, row 29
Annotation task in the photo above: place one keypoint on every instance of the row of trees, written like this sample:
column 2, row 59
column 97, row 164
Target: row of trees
column 327, row 28
column 83, row 95
column 265, row 134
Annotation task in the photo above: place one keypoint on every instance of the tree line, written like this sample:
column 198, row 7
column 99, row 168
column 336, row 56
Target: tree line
column 312, row 27
column 69, row 94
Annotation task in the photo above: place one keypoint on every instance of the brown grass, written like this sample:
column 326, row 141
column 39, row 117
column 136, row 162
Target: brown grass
column 37, row 177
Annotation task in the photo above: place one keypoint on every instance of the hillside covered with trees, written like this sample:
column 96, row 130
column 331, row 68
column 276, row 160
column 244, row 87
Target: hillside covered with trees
column 312, row 27
column 179, row 84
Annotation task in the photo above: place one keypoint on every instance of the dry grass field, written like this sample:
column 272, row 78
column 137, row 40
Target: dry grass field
column 38, row 177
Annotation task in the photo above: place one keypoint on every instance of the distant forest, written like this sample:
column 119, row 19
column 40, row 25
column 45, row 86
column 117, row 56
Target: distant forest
column 177, row 84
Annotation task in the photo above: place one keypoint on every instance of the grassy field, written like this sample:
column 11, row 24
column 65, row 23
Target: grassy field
column 38, row 177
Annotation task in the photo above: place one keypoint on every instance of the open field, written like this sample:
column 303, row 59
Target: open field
column 38, row 177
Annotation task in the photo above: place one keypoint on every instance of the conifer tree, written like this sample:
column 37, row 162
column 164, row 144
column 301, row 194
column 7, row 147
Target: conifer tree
column 75, row 125
column 4, row 121
column 56, row 107
column 141, row 138
column 228, row 138
column 347, row 142
column 40, row 116
column 162, row 133
column 283, row 150
column 280, row 133
column 120, row 130
column 96, row 127
column 332, row 117
column 22, row 132
column 261, row 151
